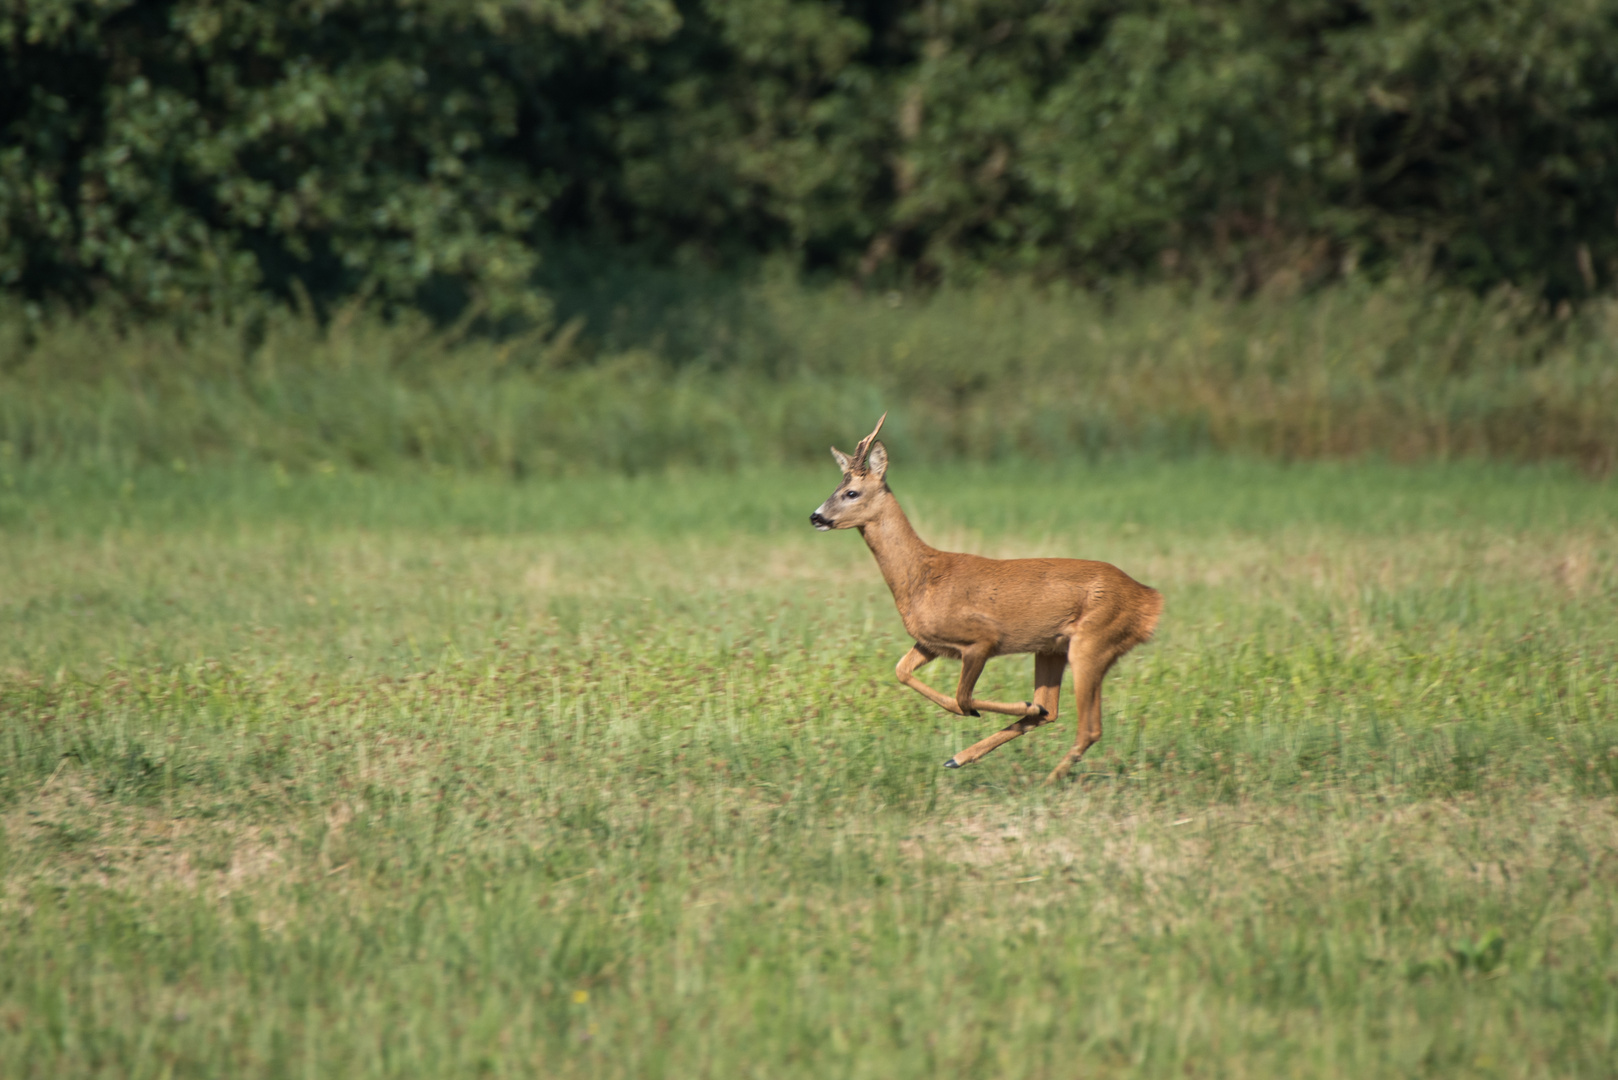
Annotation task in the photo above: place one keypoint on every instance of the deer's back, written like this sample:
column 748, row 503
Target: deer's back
column 1029, row 605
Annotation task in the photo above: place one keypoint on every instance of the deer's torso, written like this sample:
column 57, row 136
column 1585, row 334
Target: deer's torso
column 950, row 602
column 1015, row 605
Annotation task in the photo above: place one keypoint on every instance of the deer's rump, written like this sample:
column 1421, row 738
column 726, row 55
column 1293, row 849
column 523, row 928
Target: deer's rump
column 1031, row 606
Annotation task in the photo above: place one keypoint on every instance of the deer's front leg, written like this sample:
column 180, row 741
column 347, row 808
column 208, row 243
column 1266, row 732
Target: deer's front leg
column 1042, row 710
column 972, row 660
column 915, row 658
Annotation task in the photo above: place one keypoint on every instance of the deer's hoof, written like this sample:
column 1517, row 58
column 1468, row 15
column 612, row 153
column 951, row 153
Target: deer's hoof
column 952, row 764
column 1043, row 711
column 973, row 712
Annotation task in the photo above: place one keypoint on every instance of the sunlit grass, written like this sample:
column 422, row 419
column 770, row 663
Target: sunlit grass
column 352, row 775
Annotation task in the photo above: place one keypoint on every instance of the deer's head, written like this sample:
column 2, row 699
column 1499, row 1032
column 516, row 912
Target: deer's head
column 857, row 499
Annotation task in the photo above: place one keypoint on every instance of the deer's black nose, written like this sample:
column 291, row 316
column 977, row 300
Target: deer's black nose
column 818, row 521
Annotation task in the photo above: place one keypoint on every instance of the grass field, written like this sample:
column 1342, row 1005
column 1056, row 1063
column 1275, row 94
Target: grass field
column 425, row 774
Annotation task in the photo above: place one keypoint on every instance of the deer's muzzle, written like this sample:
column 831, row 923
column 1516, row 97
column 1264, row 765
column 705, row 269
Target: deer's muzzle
column 819, row 522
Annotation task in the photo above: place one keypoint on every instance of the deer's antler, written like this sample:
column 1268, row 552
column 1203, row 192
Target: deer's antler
column 864, row 448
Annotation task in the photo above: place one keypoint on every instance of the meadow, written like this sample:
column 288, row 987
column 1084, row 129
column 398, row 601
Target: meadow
column 437, row 773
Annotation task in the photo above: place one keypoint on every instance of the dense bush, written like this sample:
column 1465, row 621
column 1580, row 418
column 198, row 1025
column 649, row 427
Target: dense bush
column 182, row 153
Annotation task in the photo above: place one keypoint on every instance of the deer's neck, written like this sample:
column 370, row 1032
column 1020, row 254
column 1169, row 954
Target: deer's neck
column 900, row 554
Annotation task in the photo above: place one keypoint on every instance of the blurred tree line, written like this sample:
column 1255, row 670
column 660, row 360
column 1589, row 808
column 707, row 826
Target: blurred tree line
column 172, row 155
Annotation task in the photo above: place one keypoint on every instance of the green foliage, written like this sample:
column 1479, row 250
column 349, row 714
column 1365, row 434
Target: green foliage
column 190, row 153
column 1264, row 137
column 183, row 154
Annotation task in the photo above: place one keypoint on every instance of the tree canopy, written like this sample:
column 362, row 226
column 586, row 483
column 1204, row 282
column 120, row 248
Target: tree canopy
column 200, row 153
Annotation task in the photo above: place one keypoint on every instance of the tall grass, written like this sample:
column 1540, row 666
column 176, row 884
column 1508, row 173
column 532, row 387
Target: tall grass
column 648, row 371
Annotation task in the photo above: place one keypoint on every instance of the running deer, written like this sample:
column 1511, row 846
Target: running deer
column 1067, row 612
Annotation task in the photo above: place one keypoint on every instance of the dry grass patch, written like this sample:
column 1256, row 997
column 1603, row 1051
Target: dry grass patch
column 72, row 834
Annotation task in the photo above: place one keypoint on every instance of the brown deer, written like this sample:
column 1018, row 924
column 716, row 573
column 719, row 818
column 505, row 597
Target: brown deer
column 1067, row 612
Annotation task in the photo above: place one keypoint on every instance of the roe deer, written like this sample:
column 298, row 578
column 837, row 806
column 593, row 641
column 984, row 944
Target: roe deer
column 1067, row 612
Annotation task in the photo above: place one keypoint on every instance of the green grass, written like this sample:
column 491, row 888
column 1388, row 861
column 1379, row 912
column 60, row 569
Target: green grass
column 650, row 369
column 418, row 774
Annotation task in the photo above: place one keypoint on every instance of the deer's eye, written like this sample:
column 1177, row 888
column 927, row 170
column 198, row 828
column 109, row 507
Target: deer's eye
column 851, row 494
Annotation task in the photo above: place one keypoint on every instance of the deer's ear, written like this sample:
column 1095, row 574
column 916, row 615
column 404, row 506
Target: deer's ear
column 842, row 460
column 876, row 461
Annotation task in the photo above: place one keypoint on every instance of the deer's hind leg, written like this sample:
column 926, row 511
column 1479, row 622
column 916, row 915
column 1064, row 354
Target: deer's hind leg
column 1047, row 697
column 1089, row 669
